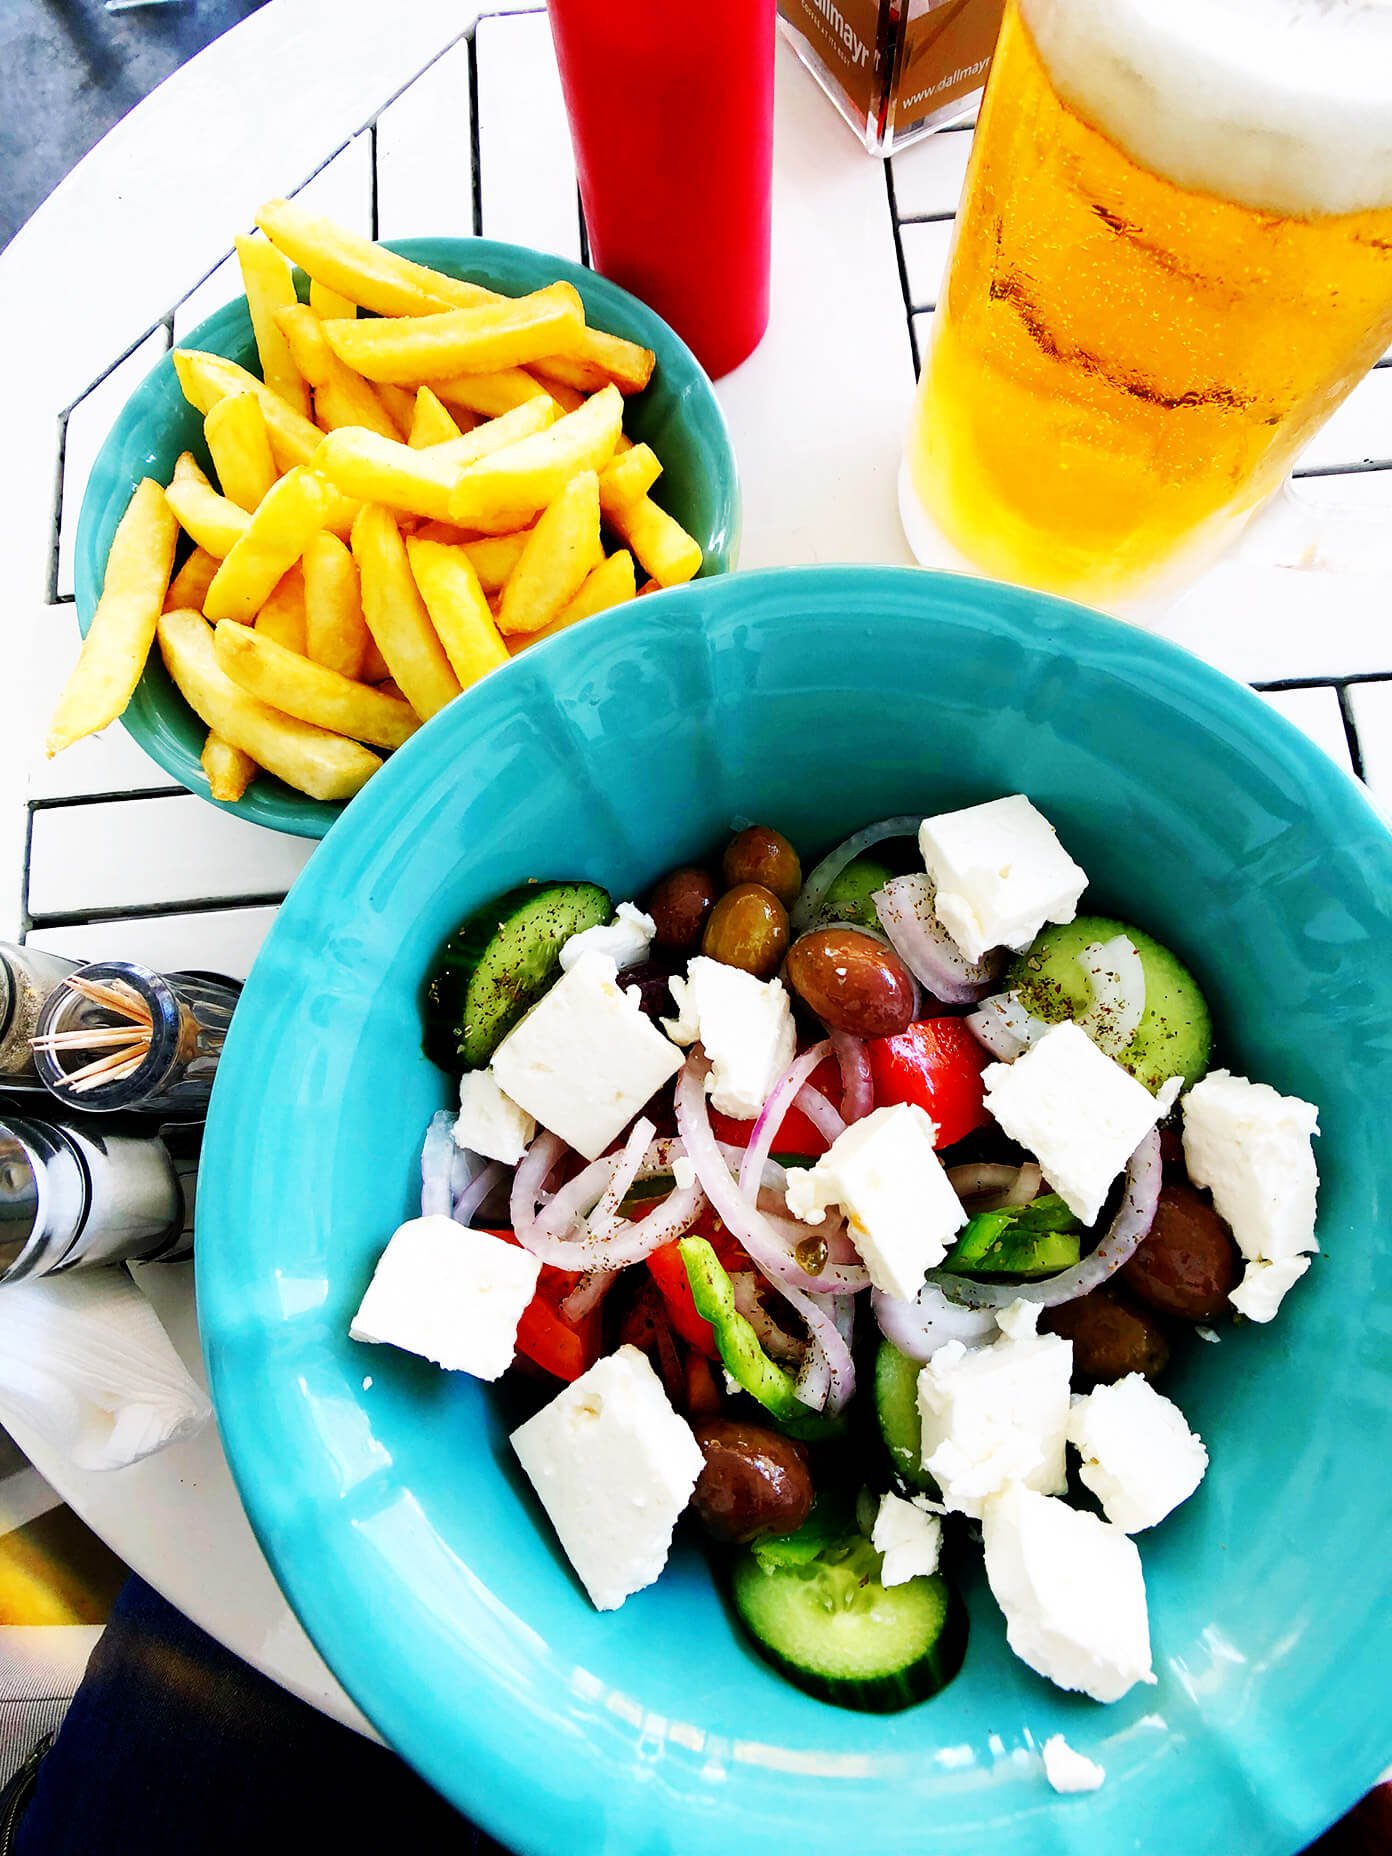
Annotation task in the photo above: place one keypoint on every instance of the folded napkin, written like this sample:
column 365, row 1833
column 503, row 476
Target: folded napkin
column 85, row 1362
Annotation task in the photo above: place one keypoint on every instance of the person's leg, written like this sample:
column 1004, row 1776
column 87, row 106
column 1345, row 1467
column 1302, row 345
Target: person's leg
column 172, row 1747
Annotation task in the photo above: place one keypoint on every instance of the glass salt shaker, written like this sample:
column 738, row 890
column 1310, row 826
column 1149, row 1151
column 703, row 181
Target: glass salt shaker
column 118, row 1036
column 28, row 977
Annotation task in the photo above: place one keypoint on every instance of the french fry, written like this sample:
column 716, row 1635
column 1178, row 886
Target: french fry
column 396, row 614
column 610, row 584
column 207, row 378
column 270, row 285
column 406, row 350
column 374, row 668
column 491, row 394
column 495, row 556
column 325, row 302
column 400, row 403
column 298, row 687
column 284, row 617
column 627, row 477
column 601, row 360
column 558, row 557
column 382, row 470
column 240, row 448
column 336, row 634
column 457, row 607
column 431, row 423
column 502, row 492
column 446, row 532
column 379, row 280
column 189, row 587
column 123, row 626
column 341, row 397
column 230, row 772
column 277, row 534
column 373, row 277
column 312, row 760
column 658, row 540
column 215, row 522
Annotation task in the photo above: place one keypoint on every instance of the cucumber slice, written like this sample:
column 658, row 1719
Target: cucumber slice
column 896, row 1406
column 837, row 1633
column 848, row 899
column 1175, row 1035
column 498, row 963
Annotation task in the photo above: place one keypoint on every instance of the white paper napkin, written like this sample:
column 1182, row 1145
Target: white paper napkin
column 85, row 1362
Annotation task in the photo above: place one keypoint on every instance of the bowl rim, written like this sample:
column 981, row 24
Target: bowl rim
column 267, row 802
column 539, row 1822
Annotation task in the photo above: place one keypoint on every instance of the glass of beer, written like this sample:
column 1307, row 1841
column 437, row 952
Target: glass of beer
column 1173, row 260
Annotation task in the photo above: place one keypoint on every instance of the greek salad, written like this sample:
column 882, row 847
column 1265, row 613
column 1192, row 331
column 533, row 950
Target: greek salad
column 857, row 1215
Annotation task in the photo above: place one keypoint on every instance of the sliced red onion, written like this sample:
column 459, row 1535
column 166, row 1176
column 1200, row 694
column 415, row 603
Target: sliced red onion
column 989, row 1187
column 776, row 1106
column 1134, row 1217
column 828, row 1363
column 630, row 1243
column 1005, row 1025
column 745, row 1222
column 437, row 1162
column 825, row 1116
column 824, row 874
column 857, row 1086
column 920, row 1327
column 467, row 1204
column 906, row 910
column 588, row 1293
column 1118, row 1001
column 606, row 1218
column 575, row 1200
column 776, row 1342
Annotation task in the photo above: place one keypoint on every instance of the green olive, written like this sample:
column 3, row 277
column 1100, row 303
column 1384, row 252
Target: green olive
column 759, row 854
column 747, row 928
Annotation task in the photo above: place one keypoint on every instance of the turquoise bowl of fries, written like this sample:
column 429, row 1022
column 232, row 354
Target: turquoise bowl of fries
column 676, row 413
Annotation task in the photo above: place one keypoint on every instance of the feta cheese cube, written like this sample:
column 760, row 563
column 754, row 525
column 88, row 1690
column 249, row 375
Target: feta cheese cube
column 909, row 1539
column 585, row 1059
column 491, row 1123
column 626, row 939
column 1070, row 1771
column 452, row 1295
column 1000, row 872
column 1264, row 1285
column 1077, row 1111
column 1251, row 1147
column 996, row 1415
column 745, row 1026
column 1139, row 1457
column 613, row 1466
column 886, row 1176
column 683, row 1174
column 1072, row 1591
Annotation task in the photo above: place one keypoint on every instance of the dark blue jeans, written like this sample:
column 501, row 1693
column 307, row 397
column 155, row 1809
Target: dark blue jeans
column 174, row 1748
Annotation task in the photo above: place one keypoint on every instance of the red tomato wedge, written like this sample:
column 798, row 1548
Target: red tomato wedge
column 563, row 1348
column 935, row 1064
column 796, row 1135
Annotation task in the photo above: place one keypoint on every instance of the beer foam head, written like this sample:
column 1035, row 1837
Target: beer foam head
column 1284, row 105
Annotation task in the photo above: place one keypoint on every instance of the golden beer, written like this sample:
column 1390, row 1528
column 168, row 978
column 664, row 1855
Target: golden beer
column 1158, row 290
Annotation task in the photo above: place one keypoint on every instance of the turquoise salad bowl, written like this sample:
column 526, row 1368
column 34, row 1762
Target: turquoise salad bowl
column 384, row 1492
column 677, row 414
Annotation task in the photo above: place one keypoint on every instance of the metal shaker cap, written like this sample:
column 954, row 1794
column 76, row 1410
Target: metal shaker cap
column 43, row 1196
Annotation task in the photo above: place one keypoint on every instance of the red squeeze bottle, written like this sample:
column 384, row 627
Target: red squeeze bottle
column 671, row 115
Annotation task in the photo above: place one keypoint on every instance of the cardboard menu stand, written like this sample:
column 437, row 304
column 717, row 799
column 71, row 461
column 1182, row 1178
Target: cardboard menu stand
column 895, row 69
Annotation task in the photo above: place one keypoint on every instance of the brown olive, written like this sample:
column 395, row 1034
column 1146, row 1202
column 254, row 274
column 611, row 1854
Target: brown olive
column 759, row 854
column 852, row 982
column 755, row 1481
column 1111, row 1337
column 1187, row 1262
column 748, row 928
column 679, row 904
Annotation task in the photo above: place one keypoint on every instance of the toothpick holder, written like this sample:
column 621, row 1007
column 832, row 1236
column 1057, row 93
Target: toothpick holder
column 116, row 1036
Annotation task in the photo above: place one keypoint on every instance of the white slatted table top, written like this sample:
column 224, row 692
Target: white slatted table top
column 418, row 120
